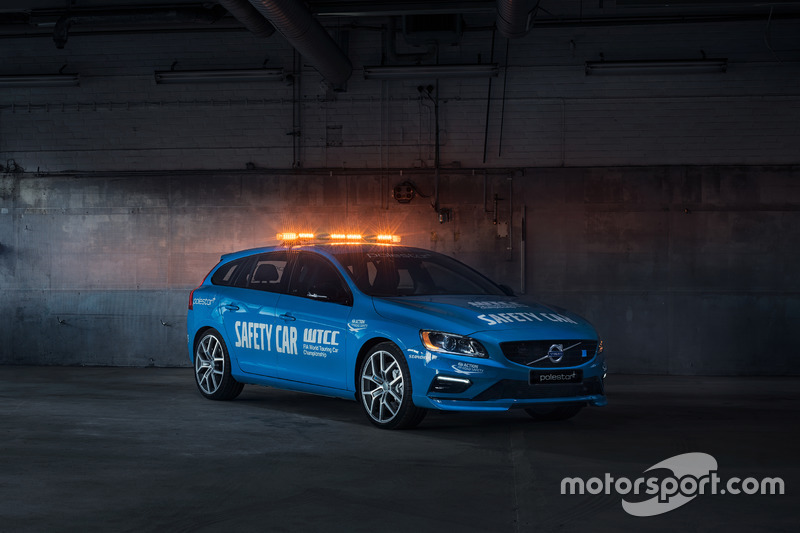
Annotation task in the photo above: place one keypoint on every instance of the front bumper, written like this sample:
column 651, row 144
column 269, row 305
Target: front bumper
column 504, row 404
column 496, row 384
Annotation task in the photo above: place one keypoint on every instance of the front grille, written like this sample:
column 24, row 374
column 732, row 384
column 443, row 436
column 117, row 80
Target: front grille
column 521, row 390
column 534, row 354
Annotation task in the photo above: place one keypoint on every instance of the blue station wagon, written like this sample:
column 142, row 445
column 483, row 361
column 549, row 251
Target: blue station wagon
column 401, row 330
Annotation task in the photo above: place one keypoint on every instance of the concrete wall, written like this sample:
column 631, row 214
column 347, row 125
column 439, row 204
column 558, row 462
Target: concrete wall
column 663, row 208
column 682, row 269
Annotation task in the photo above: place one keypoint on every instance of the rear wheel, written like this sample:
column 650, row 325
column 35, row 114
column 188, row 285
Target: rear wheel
column 212, row 368
column 384, row 389
column 554, row 411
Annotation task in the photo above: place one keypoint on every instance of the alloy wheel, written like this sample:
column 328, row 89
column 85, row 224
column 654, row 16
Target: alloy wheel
column 209, row 364
column 382, row 386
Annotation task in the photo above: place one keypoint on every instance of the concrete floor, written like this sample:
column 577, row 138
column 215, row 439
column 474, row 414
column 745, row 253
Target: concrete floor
column 112, row 449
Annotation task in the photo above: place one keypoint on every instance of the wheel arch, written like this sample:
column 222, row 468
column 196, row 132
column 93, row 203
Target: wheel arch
column 202, row 330
column 199, row 333
column 362, row 353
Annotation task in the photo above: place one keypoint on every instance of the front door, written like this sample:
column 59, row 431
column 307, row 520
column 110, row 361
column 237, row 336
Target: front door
column 312, row 317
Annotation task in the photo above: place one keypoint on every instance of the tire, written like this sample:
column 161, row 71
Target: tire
column 212, row 368
column 384, row 389
column 554, row 411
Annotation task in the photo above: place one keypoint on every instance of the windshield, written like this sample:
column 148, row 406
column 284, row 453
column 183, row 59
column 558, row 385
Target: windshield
column 397, row 271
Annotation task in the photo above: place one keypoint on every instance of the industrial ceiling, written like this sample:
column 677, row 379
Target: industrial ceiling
column 304, row 25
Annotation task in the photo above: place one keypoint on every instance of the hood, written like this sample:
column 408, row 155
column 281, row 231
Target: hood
column 467, row 315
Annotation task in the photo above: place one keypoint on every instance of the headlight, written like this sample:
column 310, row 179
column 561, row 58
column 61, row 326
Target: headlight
column 438, row 341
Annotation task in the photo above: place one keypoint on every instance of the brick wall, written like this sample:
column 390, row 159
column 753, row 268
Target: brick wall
column 543, row 111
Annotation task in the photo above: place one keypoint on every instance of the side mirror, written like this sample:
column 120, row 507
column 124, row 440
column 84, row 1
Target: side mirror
column 328, row 292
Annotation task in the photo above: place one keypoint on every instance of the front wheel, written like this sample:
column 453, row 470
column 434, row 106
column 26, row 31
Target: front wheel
column 384, row 389
column 554, row 411
column 212, row 368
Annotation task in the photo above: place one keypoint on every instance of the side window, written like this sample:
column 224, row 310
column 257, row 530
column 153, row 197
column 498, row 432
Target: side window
column 267, row 272
column 316, row 278
column 226, row 274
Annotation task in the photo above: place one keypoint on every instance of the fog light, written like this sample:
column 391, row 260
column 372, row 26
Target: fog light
column 449, row 385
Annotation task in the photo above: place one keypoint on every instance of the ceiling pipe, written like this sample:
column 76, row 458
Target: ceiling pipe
column 244, row 12
column 515, row 17
column 295, row 22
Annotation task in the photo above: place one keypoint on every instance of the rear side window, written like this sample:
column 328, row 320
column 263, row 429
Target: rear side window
column 267, row 272
column 226, row 274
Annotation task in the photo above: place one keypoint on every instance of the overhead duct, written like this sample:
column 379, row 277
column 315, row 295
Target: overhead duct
column 295, row 22
column 244, row 12
column 515, row 17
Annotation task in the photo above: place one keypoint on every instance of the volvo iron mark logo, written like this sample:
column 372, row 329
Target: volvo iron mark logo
column 556, row 353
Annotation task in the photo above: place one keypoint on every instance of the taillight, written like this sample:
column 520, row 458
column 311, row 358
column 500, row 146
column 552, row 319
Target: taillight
column 191, row 294
column 191, row 299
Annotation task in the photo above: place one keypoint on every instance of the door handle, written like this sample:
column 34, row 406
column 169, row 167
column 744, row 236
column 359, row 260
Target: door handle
column 231, row 307
column 287, row 317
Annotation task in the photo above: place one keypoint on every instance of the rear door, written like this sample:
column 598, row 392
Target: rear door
column 248, row 312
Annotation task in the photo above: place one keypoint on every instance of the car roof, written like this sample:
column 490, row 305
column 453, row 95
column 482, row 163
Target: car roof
column 330, row 248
